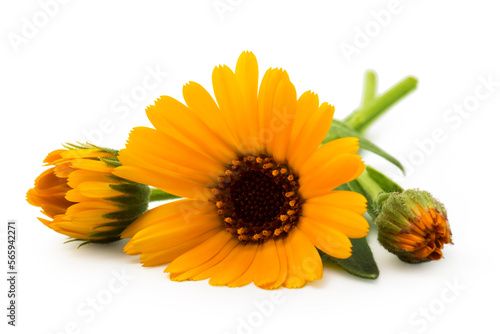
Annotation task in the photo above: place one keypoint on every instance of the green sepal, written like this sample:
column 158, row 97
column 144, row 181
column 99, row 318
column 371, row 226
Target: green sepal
column 160, row 195
column 129, row 212
column 87, row 145
column 85, row 242
column 126, row 188
column 80, row 146
column 361, row 263
column 113, row 162
column 133, row 193
column 116, row 223
column 129, row 206
column 340, row 130
column 108, row 150
column 110, row 234
column 125, row 200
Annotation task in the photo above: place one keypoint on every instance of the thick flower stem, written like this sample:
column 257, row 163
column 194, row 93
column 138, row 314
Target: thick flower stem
column 372, row 106
column 160, row 195
column 371, row 188
column 370, row 87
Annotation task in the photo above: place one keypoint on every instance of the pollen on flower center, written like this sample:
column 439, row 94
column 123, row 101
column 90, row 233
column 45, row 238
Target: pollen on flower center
column 258, row 198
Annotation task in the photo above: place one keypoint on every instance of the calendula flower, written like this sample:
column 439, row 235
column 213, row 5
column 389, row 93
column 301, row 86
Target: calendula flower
column 414, row 226
column 258, row 189
column 82, row 198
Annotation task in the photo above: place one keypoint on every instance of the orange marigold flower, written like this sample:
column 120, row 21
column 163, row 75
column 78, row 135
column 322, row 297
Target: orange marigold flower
column 258, row 187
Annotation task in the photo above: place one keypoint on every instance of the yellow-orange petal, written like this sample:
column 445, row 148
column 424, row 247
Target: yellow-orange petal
column 143, row 159
column 283, row 266
column 307, row 104
column 312, row 134
column 96, row 189
column 304, row 260
column 247, row 74
column 51, row 205
column 49, row 182
column 199, row 100
column 230, row 100
column 234, row 265
column 62, row 170
column 74, row 195
column 169, row 254
column 265, row 101
column 85, row 153
column 328, row 176
column 92, row 165
column 248, row 276
column 53, row 156
column 173, row 232
column 326, row 238
column 351, row 224
column 166, row 152
column 56, row 226
column 79, row 176
column 170, row 182
column 205, row 269
column 347, row 200
column 284, row 111
column 90, row 217
column 104, row 206
column 230, row 258
column 268, row 265
column 168, row 113
column 329, row 151
column 199, row 254
column 294, row 278
column 168, row 211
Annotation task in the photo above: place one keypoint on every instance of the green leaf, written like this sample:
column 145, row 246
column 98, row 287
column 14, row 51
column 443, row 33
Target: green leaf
column 387, row 185
column 361, row 263
column 340, row 130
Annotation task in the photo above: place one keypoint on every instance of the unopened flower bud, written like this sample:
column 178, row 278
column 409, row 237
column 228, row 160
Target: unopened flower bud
column 83, row 199
column 413, row 225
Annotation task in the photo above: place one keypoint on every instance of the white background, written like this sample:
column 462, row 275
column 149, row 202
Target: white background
column 67, row 79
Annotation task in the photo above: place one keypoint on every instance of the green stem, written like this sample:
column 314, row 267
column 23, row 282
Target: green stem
column 373, row 107
column 371, row 188
column 370, row 87
column 160, row 195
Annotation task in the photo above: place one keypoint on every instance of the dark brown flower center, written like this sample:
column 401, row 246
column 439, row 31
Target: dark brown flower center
column 258, row 198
